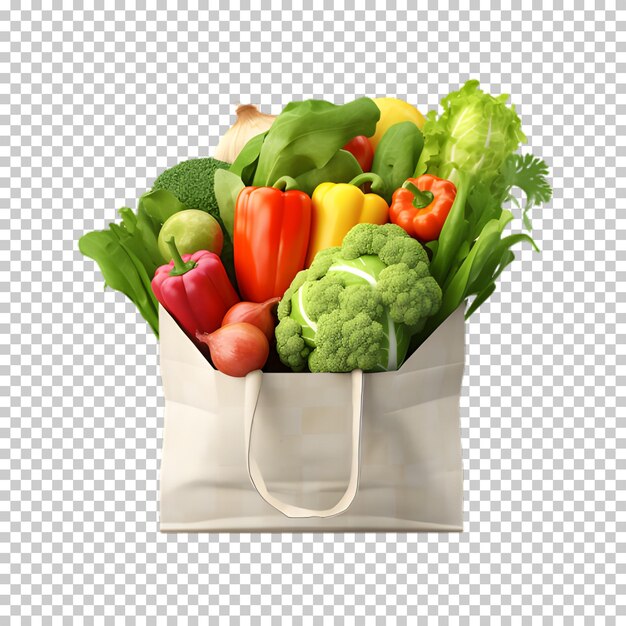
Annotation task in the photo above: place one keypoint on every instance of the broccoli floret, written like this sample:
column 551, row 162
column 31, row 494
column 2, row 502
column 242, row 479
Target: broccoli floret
column 389, row 242
column 284, row 306
column 357, row 306
column 322, row 261
column 346, row 342
column 290, row 344
column 322, row 296
column 192, row 183
column 362, row 298
column 369, row 239
column 411, row 295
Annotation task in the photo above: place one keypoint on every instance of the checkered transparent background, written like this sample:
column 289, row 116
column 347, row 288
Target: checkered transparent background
column 94, row 104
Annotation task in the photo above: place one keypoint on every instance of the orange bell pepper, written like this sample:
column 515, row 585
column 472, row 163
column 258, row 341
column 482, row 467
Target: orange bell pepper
column 421, row 206
column 270, row 238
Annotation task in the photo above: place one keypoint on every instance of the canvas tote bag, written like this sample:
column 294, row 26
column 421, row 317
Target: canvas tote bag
column 313, row 452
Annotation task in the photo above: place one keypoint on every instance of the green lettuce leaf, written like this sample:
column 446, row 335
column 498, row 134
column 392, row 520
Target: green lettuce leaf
column 475, row 134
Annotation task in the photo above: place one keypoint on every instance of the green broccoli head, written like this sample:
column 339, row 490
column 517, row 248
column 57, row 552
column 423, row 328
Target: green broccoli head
column 357, row 306
column 192, row 183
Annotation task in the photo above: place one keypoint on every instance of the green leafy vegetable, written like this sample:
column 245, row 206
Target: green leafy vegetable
column 529, row 174
column 307, row 134
column 138, row 232
column 159, row 205
column 481, row 267
column 227, row 187
column 474, row 143
column 128, row 253
column 342, row 168
column 247, row 160
column 475, row 134
column 453, row 234
column 121, row 268
column 397, row 155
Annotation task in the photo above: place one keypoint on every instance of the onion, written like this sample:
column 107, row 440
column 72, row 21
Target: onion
column 237, row 349
column 259, row 314
column 249, row 123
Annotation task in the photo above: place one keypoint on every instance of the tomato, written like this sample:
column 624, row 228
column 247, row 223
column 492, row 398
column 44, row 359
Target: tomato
column 362, row 150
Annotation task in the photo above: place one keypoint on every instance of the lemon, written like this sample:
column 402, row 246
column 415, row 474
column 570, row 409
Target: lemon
column 392, row 111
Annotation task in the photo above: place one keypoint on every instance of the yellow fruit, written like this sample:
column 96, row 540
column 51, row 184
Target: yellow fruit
column 393, row 111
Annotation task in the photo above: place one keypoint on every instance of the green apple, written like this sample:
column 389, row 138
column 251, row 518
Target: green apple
column 192, row 230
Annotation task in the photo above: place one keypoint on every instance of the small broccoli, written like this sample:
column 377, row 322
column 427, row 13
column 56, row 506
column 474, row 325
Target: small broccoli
column 192, row 183
column 291, row 345
column 357, row 306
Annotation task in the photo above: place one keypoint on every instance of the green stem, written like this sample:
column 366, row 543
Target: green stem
column 378, row 184
column 286, row 183
column 180, row 267
column 421, row 198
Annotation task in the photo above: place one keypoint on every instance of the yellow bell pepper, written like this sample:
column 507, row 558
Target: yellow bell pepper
column 337, row 207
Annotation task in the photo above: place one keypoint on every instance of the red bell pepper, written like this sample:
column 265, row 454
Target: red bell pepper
column 421, row 206
column 194, row 289
column 270, row 237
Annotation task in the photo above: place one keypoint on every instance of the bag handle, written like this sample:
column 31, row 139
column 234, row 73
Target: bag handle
column 252, row 392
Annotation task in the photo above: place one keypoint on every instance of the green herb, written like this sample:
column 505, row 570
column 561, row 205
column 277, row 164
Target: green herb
column 529, row 174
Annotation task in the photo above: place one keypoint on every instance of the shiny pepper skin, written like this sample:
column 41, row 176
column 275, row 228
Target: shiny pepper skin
column 195, row 290
column 271, row 236
column 422, row 215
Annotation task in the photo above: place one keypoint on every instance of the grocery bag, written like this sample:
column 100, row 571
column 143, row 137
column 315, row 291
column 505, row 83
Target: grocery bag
column 313, row 452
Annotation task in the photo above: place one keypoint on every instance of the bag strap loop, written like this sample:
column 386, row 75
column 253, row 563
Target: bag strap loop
column 252, row 392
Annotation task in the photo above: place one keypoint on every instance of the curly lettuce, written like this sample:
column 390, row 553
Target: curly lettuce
column 475, row 134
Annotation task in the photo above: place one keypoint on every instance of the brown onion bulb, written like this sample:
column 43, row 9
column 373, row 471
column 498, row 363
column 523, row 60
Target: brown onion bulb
column 237, row 349
column 259, row 314
column 249, row 123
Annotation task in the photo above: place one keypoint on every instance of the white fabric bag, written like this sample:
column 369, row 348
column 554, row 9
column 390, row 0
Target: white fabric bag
column 316, row 452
